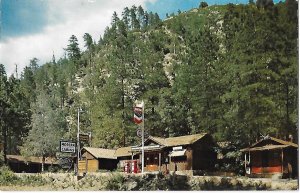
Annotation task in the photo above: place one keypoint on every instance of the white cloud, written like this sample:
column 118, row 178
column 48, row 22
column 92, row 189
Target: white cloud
column 65, row 18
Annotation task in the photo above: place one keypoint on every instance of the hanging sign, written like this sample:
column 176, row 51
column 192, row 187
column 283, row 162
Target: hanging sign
column 138, row 113
column 84, row 137
column 139, row 133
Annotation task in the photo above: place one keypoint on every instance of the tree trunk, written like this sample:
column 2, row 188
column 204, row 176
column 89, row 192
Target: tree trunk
column 4, row 134
column 287, row 108
column 123, row 113
column 43, row 161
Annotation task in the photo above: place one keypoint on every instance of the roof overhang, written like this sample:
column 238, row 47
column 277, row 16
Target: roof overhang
column 102, row 156
column 146, row 148
column 263, row 148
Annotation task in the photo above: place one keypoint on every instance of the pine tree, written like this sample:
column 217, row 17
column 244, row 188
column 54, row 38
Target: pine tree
column 48, row 126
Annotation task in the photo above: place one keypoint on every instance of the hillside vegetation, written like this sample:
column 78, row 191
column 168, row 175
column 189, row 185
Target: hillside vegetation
column 227, row 70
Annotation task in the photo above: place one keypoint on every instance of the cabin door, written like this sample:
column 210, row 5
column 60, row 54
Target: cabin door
column 265, row 159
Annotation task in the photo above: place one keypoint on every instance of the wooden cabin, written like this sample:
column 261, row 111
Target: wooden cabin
column 20, row 164
column 190, row 152
column 94, row 159
column 271, row 156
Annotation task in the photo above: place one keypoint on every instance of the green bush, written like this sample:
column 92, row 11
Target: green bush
column 7, row 177
column 33, row 180
column 54, row 169
column 115, row 182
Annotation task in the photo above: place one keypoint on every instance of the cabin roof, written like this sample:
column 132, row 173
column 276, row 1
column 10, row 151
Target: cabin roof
column 123, row 151
column 31, row 159
column 280, row 141
column 266, row 147
column 176, row 141
column 101, row 153
column 259, row 147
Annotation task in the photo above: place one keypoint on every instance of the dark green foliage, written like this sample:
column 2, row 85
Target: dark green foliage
column 203, row 4
column 73, row 49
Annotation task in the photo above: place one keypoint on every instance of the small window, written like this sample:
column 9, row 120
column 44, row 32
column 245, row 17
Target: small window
column 178, row 159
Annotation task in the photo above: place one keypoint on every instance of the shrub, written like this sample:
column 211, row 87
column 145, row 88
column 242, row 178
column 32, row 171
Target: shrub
column 203, row 4
column 7, row 177
column 115, row 182
column 54, row 169
column 33, row 180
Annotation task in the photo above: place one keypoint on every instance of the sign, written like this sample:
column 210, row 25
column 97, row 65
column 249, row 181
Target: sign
column 67, row 147
column 84, row 137
column 138, row 113
column 65, row 162
column 177, row 148
column 139, row 133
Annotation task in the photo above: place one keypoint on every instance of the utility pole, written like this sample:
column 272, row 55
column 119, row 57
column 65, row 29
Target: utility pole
column 143, row 128
column 78, row 143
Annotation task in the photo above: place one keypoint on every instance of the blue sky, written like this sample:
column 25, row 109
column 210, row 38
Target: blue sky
column 39, row 28
column 20, row 17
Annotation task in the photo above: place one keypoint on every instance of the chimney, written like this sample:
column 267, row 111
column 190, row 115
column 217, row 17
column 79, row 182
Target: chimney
column 291, row 138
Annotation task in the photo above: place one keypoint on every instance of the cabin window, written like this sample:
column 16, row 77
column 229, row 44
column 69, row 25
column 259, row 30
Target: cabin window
column 152, row 159
column 178, row 159
column 275, row 155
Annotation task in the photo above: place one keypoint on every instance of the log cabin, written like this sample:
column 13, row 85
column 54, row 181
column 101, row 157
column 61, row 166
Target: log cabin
column 271, row 156
column 190, row 152
column 94, row 159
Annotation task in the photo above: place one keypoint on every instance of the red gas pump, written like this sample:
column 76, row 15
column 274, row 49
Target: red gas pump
column 127, row 167
column 134, row 167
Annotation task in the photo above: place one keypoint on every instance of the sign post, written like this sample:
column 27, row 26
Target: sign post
column 78, row 143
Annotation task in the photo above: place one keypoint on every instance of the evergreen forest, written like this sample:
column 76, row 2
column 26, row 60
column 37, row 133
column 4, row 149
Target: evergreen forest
column 228, row 70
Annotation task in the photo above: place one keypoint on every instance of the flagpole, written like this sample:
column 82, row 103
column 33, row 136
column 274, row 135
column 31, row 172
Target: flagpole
column 143, row 126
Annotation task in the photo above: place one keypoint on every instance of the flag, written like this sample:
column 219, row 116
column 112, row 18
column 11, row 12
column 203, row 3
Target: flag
column 138, row 113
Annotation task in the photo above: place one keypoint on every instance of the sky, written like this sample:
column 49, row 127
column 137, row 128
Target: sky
column 41, row 28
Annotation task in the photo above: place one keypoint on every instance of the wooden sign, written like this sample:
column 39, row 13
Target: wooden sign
column 84, row 137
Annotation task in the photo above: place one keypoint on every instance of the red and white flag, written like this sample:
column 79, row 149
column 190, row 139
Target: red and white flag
column 138, row 113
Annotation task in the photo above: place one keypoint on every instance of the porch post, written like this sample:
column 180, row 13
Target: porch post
column 86, row 164
column 282, row 160
column 159, row 161
column 245, row 162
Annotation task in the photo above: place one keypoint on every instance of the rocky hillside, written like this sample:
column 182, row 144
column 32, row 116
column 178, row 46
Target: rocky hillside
column 228, row 70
